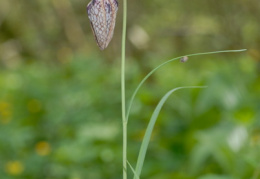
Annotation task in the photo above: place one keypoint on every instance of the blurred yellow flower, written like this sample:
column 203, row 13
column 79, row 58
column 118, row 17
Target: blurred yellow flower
column 5, row 112
column 255, row 139
column 34, row 106
column 43, row 148
column 14, row 167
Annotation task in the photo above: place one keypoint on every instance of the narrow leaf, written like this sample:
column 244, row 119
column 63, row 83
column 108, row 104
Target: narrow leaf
column 133, row 170
column 148, row 132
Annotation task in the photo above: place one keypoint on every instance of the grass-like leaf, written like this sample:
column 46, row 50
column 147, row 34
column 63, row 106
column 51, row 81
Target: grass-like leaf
column 133, row 170
column 149, row 74
column 149, row 130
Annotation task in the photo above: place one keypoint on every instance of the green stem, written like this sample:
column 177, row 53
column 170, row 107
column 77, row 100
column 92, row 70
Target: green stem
column 177, row 58
column 124, row 121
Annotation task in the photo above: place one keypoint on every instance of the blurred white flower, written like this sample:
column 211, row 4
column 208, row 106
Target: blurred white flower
column 237, row 138
column 138, row 37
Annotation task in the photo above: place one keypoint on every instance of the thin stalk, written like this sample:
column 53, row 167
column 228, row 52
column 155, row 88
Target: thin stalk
column 177, row 58
column 124, row 121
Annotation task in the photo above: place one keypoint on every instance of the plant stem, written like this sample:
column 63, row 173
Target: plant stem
column 168, row 61
column 124, row 121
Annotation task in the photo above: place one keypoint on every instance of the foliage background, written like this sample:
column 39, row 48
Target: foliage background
column 60, row 96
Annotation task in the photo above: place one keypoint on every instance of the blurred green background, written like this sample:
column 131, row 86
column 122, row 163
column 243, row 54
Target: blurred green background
column 60, row 95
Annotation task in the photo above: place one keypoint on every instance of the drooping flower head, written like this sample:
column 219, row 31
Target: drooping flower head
column 102, row 16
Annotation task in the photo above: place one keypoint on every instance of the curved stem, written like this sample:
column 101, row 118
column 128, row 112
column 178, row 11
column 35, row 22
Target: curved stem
column 177, row 58
column 124, row 121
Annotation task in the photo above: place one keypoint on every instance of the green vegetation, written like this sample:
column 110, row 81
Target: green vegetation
column 60, row 96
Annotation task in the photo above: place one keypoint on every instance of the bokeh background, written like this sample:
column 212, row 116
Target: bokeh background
column 60, row 95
